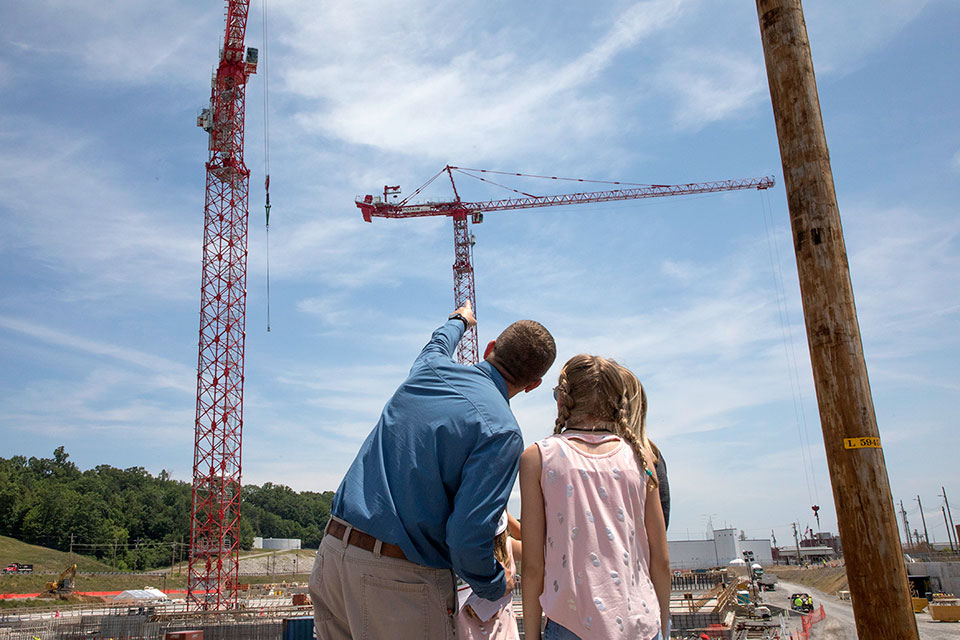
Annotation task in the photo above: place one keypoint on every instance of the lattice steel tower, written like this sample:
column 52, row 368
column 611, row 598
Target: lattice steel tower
column 215, row 523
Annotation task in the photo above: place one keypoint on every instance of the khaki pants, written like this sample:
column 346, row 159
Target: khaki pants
column 358, row 595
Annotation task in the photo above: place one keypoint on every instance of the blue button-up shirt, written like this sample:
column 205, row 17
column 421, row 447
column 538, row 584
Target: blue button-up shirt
column 435, row 474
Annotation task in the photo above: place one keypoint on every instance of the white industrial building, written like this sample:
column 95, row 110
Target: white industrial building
column 718, row 551
column 276, row 543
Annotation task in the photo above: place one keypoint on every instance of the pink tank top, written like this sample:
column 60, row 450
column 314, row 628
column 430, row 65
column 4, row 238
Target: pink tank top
column 597, row 557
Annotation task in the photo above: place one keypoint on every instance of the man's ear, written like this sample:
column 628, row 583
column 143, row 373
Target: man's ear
column 489, row 349
column 533, row 385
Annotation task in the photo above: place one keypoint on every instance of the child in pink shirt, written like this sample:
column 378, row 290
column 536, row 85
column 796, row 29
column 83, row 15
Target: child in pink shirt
column 595, row 556
column 502, row 625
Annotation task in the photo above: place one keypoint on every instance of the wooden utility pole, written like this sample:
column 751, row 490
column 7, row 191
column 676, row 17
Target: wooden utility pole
column 952, row 528
column 861, row 489
column 906, row 523
column 926, row 536
column 796, row 541
column 947, row 525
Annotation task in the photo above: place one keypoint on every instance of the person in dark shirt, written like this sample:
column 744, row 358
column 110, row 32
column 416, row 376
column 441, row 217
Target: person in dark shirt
column 664, row 487
column 423, row 497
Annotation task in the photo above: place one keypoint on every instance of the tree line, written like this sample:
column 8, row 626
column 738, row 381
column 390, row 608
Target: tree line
column 130, row 519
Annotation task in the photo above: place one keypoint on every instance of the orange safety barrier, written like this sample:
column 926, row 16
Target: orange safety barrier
column 18, row 596
column 807, row 622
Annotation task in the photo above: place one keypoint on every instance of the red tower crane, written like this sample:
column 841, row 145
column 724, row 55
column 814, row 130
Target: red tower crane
column 215, row 523
column 463, row 282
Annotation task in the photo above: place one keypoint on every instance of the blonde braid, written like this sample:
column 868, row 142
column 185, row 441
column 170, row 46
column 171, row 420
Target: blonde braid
column 625, row 432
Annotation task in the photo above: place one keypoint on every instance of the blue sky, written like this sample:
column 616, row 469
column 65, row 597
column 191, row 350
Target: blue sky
column 101, row 199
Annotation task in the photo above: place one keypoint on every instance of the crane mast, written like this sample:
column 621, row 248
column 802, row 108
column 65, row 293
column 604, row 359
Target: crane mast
column 215, row 519
column 463, row 241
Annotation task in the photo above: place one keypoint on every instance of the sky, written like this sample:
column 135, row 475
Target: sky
column 102, row 191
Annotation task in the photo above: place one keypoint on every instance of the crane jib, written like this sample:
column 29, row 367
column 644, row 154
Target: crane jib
column 371, row 206
column 463, row 278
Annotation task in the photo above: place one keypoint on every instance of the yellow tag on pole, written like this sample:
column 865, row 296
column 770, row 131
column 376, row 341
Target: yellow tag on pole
column 861, row 443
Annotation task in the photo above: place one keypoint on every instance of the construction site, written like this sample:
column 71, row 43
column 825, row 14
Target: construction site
column 226, row 579
column 713, row 604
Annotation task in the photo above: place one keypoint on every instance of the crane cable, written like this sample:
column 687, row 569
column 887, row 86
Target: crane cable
column 789, row 347
column 266, row 147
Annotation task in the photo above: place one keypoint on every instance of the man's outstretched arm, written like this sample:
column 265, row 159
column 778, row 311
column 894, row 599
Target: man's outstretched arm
column 444, row 340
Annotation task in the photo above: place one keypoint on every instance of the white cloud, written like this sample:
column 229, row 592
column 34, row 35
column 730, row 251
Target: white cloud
column 843, row 34
column 408, row 96
column 331, row 309
column 170, row 374
column 905, row 268
column 123, row 42
column 106, row 404
column 68, row 206
column 712, row 85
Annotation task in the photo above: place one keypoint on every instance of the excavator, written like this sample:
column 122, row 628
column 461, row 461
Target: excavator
column 63, row 586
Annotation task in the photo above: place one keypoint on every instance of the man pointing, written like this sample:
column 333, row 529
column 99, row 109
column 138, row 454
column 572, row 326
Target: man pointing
column 424, row 494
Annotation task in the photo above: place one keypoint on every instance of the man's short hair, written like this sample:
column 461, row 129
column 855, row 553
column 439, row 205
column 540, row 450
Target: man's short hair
column 524, row 352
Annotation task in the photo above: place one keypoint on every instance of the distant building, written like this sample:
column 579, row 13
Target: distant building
column 819, row 547
column 810, row 555
column 826, row 539
column 276, row 543
column 718, row 551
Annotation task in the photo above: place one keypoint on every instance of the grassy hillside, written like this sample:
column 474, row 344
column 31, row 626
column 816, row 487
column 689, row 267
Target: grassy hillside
column 45, row 560
column 48, row 563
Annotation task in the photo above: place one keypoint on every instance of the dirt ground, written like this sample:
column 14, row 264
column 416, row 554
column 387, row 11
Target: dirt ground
column 839, row 623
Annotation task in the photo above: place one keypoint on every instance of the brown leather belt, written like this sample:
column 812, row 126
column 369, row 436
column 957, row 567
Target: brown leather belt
column 364, row 541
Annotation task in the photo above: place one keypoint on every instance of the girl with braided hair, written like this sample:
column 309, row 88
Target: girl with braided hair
column 595, row 546
column 638, row 424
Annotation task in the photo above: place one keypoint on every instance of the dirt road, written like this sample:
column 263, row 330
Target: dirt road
column 839, row 623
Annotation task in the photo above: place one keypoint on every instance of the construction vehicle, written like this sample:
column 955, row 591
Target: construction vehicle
column 801, row 602
column 18, row 567
column 63, row 585
column 767, row 582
